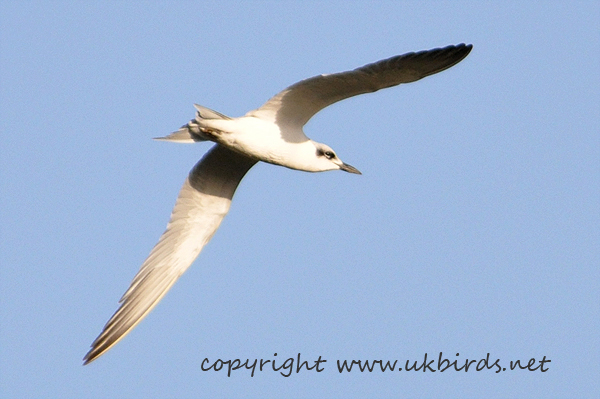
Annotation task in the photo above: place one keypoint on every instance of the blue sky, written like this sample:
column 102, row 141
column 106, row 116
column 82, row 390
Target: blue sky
column 474, row 228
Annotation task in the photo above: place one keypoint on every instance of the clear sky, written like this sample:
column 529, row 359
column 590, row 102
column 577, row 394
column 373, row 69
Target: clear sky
column 474, row 229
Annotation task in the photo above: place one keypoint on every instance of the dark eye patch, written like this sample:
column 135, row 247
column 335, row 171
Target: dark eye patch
column 327, row 154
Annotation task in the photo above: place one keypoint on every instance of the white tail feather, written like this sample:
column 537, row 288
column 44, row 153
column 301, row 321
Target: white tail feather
column 191, row 132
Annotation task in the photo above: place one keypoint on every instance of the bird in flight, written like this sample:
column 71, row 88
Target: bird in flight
column 273, row 134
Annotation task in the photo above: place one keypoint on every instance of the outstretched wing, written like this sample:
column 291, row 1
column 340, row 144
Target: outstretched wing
column 201, row 206
column 295, row 105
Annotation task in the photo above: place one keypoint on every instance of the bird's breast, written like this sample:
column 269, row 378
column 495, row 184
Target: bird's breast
column 254, row 137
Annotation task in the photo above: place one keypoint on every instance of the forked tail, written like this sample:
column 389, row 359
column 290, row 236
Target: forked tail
column 191, row 132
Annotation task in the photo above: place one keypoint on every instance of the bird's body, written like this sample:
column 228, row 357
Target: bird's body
column 260, row 139
column 255, row 137
column 272, row 133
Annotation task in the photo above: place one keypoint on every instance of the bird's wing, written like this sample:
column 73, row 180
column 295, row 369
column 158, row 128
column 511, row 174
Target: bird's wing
column 202, row 203
column 295, row 105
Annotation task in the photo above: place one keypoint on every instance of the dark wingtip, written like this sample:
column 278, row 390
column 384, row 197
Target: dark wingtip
column 90, row 356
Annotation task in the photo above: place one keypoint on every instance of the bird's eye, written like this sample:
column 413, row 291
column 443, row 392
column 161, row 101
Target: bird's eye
column 329, row 154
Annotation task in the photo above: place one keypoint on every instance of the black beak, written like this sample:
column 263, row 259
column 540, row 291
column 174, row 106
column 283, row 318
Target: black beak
column 350, row 169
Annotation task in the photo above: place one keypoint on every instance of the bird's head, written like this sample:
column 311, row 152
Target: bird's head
column 326, row 159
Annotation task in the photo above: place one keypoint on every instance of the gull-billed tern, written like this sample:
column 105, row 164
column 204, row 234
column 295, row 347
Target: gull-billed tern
column 272, row 133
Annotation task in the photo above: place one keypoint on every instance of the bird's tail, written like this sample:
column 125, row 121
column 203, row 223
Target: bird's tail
column 191, row 131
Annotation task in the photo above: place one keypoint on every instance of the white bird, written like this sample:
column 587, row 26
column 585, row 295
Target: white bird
column 272, row 133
